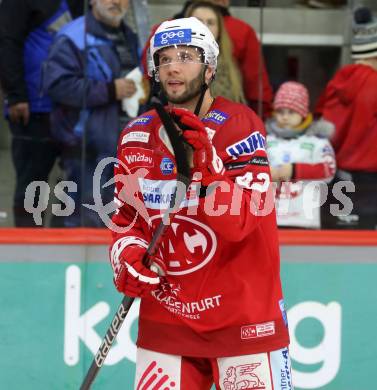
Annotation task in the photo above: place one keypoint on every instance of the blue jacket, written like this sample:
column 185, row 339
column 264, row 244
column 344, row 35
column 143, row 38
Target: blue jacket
column 27, row 29
column 83, row 90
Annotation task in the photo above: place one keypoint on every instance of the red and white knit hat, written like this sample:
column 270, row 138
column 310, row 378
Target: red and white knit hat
column 294, row 96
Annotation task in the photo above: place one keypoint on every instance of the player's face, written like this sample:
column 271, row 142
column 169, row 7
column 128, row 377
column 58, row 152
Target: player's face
column 181, row 73
column 110, row 12
column 288, row 119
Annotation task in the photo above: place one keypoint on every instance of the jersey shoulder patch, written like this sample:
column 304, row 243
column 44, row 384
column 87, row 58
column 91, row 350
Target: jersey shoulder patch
column 139, row 129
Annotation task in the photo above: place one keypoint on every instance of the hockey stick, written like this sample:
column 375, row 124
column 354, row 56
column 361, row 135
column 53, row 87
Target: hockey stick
column 183, row 176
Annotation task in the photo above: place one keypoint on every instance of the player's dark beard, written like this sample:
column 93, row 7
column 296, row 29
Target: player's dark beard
column 193, row 90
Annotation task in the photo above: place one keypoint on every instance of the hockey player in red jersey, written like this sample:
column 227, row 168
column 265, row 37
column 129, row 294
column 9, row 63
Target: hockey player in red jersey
column 214, row 312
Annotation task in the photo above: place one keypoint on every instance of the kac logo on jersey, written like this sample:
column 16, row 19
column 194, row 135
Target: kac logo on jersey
column 188, row 245
column 216, row 116
column 172, row 37
column 167, row 166
column 255, row 141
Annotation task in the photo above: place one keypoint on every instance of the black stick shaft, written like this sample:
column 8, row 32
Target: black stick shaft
column 107, row 342
column 119, row 317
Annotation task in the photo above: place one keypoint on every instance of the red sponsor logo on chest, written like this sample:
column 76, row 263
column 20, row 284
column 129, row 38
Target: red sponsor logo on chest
column 257, row 330
column 138, row 157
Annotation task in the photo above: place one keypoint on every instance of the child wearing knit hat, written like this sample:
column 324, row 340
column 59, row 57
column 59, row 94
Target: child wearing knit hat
column 299, row 152
column 291, row 104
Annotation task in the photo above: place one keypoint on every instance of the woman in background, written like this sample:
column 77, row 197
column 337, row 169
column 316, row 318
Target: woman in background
column 228, row 82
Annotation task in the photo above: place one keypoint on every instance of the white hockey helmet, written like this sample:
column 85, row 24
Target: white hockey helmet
column 183, row 32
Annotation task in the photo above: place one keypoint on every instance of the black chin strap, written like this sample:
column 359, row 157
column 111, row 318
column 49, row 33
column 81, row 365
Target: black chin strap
column 200, row 100
column 202, row 93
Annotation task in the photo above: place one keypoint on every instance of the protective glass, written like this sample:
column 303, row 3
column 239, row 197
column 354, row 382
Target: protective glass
column 178, row 55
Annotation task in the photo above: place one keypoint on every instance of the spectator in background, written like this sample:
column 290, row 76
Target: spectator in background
column 87, row 92
column 247, row 53
column 299, row 153
column 228, row 82
column 350, row 102
column 27, row 28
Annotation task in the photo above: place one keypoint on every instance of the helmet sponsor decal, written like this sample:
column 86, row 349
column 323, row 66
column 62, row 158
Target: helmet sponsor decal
column 172, row 37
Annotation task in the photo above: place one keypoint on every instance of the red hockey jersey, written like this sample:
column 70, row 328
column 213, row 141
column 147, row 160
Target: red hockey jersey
column 222, row 295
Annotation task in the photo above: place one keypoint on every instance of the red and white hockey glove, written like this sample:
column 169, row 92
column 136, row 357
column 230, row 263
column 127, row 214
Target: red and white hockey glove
column 205, row 159
column 134, row 279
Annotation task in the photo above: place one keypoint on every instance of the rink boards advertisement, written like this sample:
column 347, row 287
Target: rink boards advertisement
column 55, row 313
